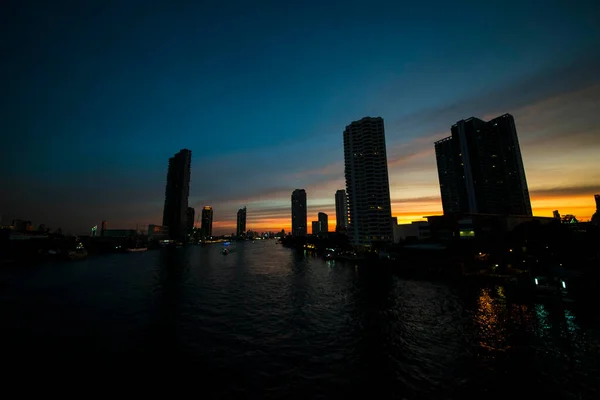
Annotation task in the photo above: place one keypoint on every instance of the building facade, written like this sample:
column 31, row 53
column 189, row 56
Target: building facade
column 191, row 214
column 157, row 232
column 177, row 193
column 367, row 182
column 315, row 227
column 241, row 222
column 480, row 168
column 323, row 220
column 341, row 211
column 417, row 230
column 207, row 220
column 299, row 217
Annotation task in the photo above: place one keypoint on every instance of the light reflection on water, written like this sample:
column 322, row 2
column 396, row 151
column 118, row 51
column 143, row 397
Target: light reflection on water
column 554, row 326
column 270, row 317
column 540, row 341
column 490, row 320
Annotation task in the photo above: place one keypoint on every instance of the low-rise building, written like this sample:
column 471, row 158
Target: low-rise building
column 158, row 232
column 416, row 229
column 480, row 226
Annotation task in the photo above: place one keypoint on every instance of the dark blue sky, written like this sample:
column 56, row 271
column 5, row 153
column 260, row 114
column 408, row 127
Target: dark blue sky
column 97, row 95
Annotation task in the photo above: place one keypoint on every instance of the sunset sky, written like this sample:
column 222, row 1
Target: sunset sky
column 97, row 95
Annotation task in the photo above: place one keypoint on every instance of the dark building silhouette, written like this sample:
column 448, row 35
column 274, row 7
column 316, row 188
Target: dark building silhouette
column 315, row 227
column 596, row 216
column 480, row 168
column 191, row 214
column 367, row 182
column 177, row 193
column 323, row 223
column 241, row 222
column 20, row 225
column 341, row 211
column 207, row 219
column 299, row 217
column 556, row 214
column 157, row 232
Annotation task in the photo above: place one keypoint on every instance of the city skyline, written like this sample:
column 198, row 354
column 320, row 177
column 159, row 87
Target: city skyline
column 79, row 153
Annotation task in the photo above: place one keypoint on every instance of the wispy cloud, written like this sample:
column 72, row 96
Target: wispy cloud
column 553, row 192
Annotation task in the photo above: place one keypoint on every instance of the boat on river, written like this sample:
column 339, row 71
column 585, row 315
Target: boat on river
column 136, row 249
column 78, row 253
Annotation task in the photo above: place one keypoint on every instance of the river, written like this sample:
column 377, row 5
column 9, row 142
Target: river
column 267, row 322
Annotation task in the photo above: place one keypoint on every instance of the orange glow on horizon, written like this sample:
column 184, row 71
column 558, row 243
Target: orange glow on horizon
column 582, row 206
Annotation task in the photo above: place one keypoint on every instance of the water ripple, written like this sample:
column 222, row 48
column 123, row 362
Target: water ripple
column 274, row 323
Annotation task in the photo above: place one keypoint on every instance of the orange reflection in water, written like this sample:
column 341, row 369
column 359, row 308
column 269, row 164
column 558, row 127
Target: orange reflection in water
column 490, row 320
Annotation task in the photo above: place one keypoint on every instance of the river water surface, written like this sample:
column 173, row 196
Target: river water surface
column 267, row 322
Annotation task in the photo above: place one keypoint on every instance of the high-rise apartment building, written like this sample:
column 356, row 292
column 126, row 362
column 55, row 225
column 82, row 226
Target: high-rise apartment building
column 315, row 227
column 207, row 220
column 367, row 182
column 191, row 214
column 299, row 221
column 597, row 198
column 480, row 168
column 323, row 222
column 177, row 193
column 341, row 211
column 241, row 222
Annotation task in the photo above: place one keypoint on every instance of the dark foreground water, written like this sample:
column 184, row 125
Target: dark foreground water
column 265, row 322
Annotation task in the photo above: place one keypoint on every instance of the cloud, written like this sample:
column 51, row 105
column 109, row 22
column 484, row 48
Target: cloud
column 565, row 191
column 555, row 80
column 328, row 170
column 566, row 119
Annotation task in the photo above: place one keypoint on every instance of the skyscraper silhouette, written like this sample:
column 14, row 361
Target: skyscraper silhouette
column 480, row 168
column 323, row 222
column 341, row 211
column 177, row 193
column 207, row 219
column 315, row 227
column 191, row 215
column 299, row 217
column 367, row 182
column 241, row 222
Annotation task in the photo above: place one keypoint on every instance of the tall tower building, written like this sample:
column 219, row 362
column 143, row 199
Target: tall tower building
column 323, row 222
column 341, row 211
column 241, row 222
column 315, row 227
column 207, row 219
column 191, row 214
column 177, row 193
column 299, row 221
column 480, row 168
column 597, row 198
column 367, row 182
